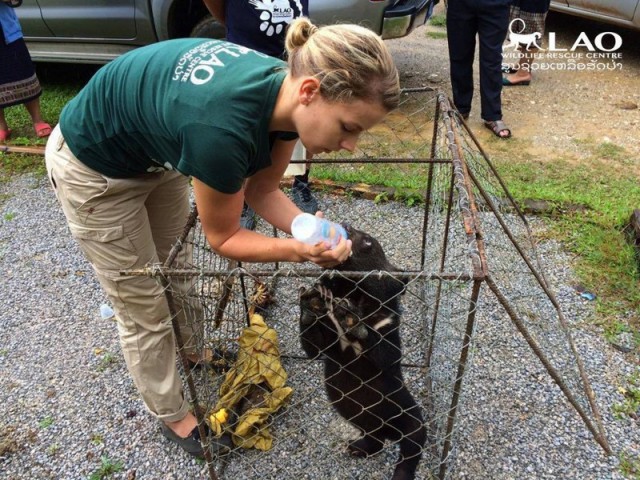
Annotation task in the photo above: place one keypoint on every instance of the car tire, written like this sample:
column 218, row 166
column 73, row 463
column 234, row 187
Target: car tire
column 208, row 27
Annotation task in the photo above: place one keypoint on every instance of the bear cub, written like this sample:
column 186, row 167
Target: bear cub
column 354, row 325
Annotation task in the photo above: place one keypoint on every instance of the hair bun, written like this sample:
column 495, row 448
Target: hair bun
column 299, row 32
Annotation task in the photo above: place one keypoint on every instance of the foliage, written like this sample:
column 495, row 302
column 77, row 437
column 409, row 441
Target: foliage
column 107, row 468
column 46, row 422
column 630, row 405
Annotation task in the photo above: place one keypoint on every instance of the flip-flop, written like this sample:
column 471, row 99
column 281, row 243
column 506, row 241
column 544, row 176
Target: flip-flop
column 506, row 68
column 5, row 134
column 507, row 83
column 497, row 126
column 43, row 129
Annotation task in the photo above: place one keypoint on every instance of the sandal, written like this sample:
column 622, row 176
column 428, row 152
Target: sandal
column 498, row 127
column 43, row 129
column 507, row 83
column 5, row 134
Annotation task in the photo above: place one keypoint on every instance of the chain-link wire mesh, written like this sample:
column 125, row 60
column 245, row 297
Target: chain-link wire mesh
column 274, row 396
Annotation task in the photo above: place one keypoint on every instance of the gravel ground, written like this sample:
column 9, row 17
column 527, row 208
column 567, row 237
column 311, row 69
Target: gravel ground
column 66, row 399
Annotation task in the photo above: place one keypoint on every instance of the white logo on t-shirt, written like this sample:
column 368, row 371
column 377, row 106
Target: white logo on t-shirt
column 276, row 14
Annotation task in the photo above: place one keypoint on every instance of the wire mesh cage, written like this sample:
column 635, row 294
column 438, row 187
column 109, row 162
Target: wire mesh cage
column 370, row 351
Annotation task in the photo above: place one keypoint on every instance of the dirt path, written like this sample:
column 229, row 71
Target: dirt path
column 564, row 114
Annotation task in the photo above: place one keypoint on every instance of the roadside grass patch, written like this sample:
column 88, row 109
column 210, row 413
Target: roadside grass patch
column 17, row 163
column 630, row 466
column 605, row 262
column 436, row 35
column 438, row 20
column 630, row 405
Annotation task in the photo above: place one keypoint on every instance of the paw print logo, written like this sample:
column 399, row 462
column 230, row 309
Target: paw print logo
column 276, row 14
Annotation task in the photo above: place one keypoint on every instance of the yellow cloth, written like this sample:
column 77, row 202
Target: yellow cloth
column 258, row 366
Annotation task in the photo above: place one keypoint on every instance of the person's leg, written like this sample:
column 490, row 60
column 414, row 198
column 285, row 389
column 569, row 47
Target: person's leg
column 461, row 36
column 109, row 220
column 5, row 132
column 301, row 191
column 522, row 75
column 33, row 107
column 42, row 128
column 492, row 29
column 168, row 207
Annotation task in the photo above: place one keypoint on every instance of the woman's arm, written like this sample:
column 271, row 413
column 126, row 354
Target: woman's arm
column 220, row 217
column 262, row 191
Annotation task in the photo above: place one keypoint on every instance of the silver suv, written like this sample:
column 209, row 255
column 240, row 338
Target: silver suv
column 97, row 31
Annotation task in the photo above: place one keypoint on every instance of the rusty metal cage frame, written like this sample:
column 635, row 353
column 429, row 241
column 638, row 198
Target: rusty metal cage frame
column 467, row 196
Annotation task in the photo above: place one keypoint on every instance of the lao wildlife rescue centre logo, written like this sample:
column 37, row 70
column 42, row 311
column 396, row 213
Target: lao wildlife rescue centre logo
column 276, row 14
column 586, row 54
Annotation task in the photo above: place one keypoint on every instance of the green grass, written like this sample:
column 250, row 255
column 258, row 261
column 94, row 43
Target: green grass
column 605, row 261
column 107, row 468
column 630, row 466
column 439, row 20
column 17, row 163
column 46, row 422
column 436, row 35
column 107, row 360
column 630, row 405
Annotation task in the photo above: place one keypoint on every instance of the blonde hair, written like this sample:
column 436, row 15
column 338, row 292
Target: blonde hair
column 350, row 61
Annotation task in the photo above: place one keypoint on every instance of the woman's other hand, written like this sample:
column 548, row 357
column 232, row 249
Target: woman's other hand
column 324, row 256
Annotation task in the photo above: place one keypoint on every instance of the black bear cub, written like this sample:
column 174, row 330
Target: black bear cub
column 354, row 324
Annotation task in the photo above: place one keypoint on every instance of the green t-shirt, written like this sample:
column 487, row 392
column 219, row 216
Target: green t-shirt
column 201, row 107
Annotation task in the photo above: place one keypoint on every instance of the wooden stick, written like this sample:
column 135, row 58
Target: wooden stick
column 17, row 149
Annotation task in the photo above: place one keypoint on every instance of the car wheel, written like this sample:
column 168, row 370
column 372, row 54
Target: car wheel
column 208, row 27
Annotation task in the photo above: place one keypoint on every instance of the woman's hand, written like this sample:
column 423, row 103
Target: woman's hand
column 325, row 257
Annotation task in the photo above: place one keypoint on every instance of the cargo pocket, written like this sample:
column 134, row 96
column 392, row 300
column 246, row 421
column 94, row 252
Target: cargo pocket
column 107, row 248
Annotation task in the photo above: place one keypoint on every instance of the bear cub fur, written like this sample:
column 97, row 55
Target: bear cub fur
column 354, row 325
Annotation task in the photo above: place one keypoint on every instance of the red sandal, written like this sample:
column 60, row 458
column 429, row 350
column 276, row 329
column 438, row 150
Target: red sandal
column 43, row 129
column 5, row 134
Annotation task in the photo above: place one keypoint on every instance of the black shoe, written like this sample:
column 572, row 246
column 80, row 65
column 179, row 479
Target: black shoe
column 191, row 444
column 303, row 198
column 248, row 218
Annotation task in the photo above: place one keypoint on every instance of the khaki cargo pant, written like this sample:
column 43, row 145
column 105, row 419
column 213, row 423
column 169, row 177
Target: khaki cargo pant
column 126, row 224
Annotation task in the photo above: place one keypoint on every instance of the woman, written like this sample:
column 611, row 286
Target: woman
column 227, row 116
column 18, row 80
